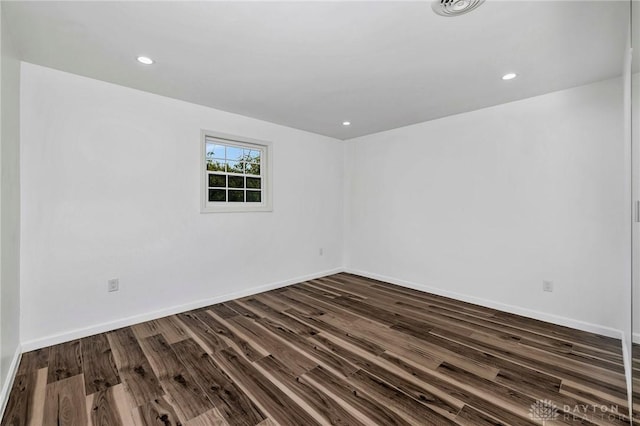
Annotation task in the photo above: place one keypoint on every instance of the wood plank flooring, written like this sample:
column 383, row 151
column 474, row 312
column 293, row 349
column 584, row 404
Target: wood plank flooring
column 342, row 350
column 636, row 382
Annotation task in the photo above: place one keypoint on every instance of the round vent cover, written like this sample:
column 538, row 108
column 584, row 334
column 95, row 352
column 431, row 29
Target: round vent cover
column 454, row 7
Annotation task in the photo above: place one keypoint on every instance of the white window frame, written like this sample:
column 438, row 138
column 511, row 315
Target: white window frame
column 266, row 149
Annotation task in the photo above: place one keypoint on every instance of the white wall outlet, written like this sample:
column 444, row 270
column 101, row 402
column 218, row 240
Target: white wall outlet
column 547, row 286
column 113, row 285
column 321, row 251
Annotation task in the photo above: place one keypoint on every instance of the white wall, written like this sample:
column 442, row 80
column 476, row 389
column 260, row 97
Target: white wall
column 635, row 122
column 110, row 188
column 10, row 214
column 626, row 308
column 482, row 205
column 486, row 205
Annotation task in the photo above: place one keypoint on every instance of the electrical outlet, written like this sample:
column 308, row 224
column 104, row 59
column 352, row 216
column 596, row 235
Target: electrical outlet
column 321, row 251
column 113, row 285
column 547, row 286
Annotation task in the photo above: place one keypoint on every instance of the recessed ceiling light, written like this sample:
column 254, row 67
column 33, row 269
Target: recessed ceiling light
column 509, row 76
column 346, row 123
column 145, row 60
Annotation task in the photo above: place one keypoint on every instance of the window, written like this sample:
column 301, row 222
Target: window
column 235, row 174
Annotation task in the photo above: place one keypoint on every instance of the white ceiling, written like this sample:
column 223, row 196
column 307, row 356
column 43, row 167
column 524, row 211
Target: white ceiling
column 312, row 65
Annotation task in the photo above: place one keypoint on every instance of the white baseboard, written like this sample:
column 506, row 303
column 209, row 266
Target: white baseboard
column 125, row 322
column 512, row 309
column 172, row 310
column 8, row 381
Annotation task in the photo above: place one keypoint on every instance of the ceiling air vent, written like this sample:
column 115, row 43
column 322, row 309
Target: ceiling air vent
column 454, row 7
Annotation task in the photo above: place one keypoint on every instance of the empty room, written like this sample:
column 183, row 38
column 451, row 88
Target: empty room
column 319, row 213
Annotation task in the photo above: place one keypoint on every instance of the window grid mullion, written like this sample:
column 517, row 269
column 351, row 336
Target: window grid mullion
column 225, row 161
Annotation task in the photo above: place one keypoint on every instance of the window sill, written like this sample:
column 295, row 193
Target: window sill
column 236, row 209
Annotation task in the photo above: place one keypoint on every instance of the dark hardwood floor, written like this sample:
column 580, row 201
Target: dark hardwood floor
column 338, row 350
column 635, row 361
